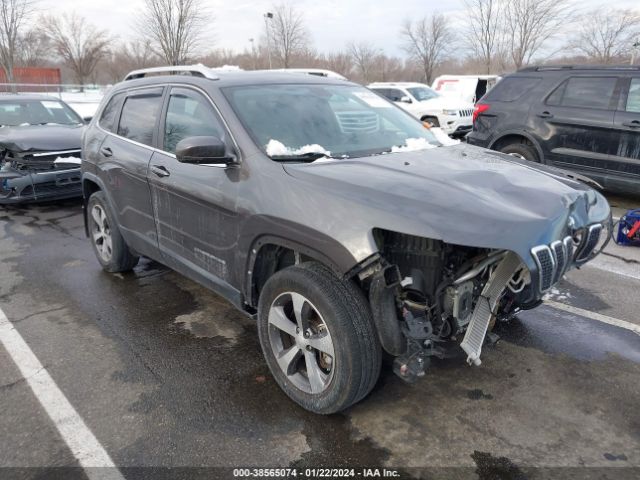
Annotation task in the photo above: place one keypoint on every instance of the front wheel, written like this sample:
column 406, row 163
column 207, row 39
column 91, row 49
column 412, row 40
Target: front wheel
column 318, row 338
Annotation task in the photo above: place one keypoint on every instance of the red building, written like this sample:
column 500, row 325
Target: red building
column 34, row 76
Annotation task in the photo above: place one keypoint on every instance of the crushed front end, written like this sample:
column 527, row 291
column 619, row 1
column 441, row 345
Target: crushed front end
column 427, row 295
column 39, row 175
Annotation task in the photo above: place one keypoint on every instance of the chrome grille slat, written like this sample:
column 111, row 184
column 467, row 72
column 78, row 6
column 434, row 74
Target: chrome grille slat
column 588, row 243
column 546, row 266
column 559, row 251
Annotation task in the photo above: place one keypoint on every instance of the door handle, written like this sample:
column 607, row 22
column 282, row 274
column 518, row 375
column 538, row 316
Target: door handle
column 106, row 152
column 632, row 124
column 160, row 171
column 545, row 115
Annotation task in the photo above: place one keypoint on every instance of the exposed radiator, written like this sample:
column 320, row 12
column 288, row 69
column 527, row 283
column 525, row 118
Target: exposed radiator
column 483, row 311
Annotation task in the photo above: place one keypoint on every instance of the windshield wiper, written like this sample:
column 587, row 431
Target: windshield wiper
column 303, row 157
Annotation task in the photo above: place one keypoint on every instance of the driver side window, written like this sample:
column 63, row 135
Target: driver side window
column 189, row 114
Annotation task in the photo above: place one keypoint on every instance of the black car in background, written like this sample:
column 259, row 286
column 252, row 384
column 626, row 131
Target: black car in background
column 581, row 118
column 39, row 149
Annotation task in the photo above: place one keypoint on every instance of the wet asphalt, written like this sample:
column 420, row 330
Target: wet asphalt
column 167, row 374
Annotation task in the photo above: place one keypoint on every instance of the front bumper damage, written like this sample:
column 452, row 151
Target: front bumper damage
column 41, row 177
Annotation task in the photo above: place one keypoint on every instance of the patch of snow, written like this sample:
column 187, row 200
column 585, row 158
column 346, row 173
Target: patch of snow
column 74, row 160
column 443, row 138
column 413, row 145
column 274, row 147
column 557, row 294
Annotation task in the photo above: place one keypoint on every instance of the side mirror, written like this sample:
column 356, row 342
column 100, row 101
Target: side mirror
column 203, row 150
column 406, row 99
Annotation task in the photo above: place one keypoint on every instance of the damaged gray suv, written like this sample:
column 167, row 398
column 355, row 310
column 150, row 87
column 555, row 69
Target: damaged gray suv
column 335, row 218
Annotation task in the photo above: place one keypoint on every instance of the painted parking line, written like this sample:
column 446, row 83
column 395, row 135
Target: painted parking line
column 594, row 316
column 83, row 444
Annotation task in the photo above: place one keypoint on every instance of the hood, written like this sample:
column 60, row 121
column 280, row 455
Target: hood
column 462, row 195
column 41, row 138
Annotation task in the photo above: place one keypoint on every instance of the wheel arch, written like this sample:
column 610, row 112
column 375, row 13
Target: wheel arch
column 270, row 253
column 90, row 184
column 514, row 136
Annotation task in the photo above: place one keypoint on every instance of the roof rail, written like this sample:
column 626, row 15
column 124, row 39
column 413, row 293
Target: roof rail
column 542, row 68
column 198, row 70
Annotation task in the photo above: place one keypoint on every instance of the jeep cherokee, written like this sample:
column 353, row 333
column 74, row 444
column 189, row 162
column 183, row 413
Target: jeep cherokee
column 332, row 216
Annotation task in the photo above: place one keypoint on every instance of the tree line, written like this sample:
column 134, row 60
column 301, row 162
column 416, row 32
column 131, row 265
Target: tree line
column 488, row 36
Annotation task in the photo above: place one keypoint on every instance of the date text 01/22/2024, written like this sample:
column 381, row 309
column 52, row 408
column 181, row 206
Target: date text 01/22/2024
column 315, row 473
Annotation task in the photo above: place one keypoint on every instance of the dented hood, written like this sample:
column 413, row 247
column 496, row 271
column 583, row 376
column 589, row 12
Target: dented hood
column 462, row 195
column 41, row 138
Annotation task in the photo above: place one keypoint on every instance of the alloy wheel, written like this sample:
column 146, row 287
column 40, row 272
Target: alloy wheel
column 301, row 342
column 101, row 233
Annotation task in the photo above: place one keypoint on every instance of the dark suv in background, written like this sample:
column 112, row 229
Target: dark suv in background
column 585, row 119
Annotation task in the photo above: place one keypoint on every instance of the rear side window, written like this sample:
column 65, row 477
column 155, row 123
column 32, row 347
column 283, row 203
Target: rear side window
column 585, row 92
column 633, row 99
column 512, row 88
column 189, row 114
column 108, row 119
column 139, row 114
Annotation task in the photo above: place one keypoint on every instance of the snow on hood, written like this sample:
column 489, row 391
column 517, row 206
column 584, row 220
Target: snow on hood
column 413, row 145
column 74, row 160
column 274, row 147
column 442, row 137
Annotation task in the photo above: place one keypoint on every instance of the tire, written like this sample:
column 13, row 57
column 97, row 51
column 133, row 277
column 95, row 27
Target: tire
column 107, row 242
column 524, row 151
column 335, row 309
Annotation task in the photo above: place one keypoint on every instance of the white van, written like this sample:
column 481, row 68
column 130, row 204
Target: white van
column 469, row 88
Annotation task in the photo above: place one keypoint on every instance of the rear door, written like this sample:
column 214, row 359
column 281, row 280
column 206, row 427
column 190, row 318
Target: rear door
column 575, row 123
column 124, row 163
column 194, row 205
column 625, row 162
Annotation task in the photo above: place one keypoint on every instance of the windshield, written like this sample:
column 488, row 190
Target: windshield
column 36, row 112
column 294, row 121
column 423, row 93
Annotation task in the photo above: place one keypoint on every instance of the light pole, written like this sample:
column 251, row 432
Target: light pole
column 253, row 54
column 268, row 16
column 633, row 52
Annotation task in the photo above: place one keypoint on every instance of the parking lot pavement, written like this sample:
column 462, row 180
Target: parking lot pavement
column 164, row 373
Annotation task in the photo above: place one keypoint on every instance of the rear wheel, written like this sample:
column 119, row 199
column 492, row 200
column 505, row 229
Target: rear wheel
column 107, row 242
column 318, row 338
column 523, row 151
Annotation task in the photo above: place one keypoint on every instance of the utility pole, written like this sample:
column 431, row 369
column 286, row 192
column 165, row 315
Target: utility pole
column 253, row 54
column 268, row 16
column 633, row 52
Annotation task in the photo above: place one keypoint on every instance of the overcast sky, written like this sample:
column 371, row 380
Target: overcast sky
column 331, row 23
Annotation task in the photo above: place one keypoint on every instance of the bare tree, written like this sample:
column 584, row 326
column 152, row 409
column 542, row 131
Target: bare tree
column 529, row 24
column 364, row 55
column 13, row 15
column 34, row 48
column 80, row 44
column 605, row 35
column 339, row 62
column 287, row 33
column 484, row 24
column 427, row 42
column 175, row 27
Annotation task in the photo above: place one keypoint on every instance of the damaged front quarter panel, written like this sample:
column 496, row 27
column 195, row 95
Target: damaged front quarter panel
column 473, row 237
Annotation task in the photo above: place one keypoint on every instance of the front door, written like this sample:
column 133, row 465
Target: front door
column 577, row 121
column 194, row 205
column 625, row 163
